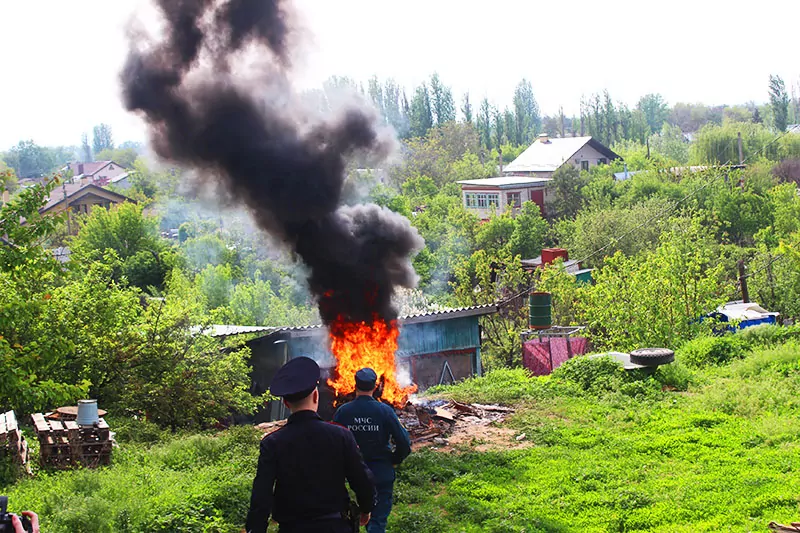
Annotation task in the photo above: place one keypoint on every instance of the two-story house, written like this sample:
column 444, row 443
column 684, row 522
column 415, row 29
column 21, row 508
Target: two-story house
column 526, row 178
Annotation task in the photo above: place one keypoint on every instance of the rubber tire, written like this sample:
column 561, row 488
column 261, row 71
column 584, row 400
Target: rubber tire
column 652, row 356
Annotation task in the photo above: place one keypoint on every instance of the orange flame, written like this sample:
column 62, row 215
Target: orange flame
column 359, row 344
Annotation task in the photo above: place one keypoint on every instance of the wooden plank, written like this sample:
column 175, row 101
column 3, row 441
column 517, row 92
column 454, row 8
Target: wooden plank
column 40, row 423
column 3, row 427
column 56, row 427
column 11, row 421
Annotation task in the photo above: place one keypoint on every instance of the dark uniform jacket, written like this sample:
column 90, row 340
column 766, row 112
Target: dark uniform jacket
column 372, row 423
column 302, row 468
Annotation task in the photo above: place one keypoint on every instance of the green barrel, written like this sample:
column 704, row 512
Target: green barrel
column 540, row 313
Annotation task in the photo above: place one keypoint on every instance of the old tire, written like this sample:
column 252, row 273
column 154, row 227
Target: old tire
column 652, row 356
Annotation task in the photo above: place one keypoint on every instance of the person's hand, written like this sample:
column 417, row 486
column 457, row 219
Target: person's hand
column 17, row 523
column 364, row 518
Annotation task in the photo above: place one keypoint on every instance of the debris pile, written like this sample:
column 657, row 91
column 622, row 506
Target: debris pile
column 436, row 420
column 443, row 423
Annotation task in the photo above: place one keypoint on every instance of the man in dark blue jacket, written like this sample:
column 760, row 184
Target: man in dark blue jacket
column 373, row 424
column 302, row 467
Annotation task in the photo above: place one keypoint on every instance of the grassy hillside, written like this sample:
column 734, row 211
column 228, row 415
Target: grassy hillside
column 718, row 450
column 612, row 454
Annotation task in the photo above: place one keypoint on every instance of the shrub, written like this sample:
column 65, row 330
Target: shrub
column 768, row 335
column 674, row 376
column 704, row 351
column 591, row 373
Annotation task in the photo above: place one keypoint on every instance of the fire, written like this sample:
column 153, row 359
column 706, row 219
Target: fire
column 360, row 344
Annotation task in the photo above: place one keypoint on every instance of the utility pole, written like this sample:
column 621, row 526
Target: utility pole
column 743, row 282
column 741, row 153
column 500, row 158
column 66, row 206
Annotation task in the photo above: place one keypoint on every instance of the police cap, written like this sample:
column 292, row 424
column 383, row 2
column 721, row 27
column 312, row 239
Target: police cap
column 296, row 379
column 365, row 379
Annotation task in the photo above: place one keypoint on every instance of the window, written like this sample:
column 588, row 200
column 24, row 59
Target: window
column 514, row 199
column 470, row 199
column 602, row 161
column 494, row 199
column 584, row 165
column 482, row 202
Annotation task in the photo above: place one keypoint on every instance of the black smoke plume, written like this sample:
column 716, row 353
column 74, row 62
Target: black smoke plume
column 287, row 168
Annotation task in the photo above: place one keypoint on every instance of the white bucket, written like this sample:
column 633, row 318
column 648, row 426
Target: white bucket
column 87, row 413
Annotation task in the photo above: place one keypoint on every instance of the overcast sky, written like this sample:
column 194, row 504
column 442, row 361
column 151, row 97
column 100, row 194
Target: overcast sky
column 60, row 59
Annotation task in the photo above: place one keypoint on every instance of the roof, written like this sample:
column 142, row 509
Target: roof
column 744, row 311
column 92, row 167
column 74, row 191
column 505, row 182
column 121, row 177
column 301, row 331
column 548, row 156
column 793, row 128
column 621, row 176
column 537, row 262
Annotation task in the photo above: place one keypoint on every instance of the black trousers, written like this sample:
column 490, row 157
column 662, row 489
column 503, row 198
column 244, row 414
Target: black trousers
column 336, row 525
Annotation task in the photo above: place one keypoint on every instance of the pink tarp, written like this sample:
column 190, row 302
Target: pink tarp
column 536, row 353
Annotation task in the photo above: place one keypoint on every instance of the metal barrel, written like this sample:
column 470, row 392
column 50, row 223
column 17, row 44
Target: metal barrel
column 540, row 316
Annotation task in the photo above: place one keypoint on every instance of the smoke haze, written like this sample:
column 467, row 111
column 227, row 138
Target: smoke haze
column 248, row 134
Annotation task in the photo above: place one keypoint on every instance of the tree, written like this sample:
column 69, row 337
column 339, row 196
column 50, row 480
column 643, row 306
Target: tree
column 530, row 230
column 466, row 109
column 86, row 150
column 102, row 138
column 779, row 101
column 421, row 119
column 655, row 110
column 485, row 124
column 444, row 107
column 526, row 112
column 487, row 278
column 499, row 127
column 123, row 156
column 144, row 259
column 8, row 180
column 566, row 199
column 654, row 298
column 671, row 143
column 509, row 123
column 393, row 107
column 30, row 160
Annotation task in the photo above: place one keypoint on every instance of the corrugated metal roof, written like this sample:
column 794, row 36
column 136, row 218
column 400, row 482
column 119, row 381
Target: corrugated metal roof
column 506, row 181
column 548, row 156
column 218, row 330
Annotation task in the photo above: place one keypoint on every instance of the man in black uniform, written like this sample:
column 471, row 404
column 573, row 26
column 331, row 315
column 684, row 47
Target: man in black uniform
column 374, row 425
column 302, row 467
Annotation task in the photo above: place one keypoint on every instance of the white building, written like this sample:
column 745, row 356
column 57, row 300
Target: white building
column 494, row 195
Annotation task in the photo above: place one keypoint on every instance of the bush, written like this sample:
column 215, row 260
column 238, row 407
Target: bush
column 591, row 373
column 704, row 351
column 674, row 376
column 768, row 335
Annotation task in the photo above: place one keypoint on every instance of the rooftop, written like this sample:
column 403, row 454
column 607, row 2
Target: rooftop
column 548, row 155
column 218, row 330
column 506, row 182
column 74, row 190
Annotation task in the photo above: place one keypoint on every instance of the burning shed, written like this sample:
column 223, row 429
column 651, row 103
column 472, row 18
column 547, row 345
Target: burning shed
column 432, row 348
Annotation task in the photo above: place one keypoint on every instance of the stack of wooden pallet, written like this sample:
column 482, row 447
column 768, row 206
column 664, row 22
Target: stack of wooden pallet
column 66, row 444
column 11, row 439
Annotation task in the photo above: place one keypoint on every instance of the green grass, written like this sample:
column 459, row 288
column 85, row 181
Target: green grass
column 610, row 452
column 614, row 456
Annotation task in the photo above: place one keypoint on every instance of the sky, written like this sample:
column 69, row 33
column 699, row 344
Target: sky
column 61, row 60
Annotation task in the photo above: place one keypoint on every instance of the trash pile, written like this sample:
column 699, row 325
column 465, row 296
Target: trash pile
column 436, row 420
